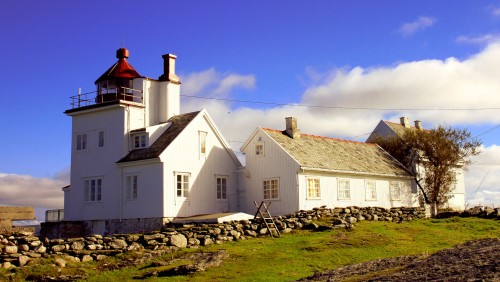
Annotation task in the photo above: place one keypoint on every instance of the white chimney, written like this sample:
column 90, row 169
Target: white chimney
column 404, row 122
column 291, row 128
column 169, row 69
column 169, row 90
column 418, row 125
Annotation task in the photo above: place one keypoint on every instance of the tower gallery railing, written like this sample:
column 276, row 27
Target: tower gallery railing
column 107, row 95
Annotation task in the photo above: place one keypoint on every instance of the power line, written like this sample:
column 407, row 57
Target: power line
column 338, row 107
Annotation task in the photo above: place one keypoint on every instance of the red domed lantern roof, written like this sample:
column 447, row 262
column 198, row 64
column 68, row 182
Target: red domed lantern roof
column 121, row 69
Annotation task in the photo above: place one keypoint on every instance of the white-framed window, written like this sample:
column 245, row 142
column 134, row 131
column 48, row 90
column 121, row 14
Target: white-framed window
column 93, row 189
column 271, row 189
column 221, row 187
column 344, row 189
column 81, row 141
column 370, row 190
column 100, row 140
column 395, row 187
column 131, row 187
column 313, row 188
column 182, row 184
column 259, row 149
column 203, row 142
column 140, row 141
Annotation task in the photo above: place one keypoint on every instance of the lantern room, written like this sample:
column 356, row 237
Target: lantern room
column 117, row 82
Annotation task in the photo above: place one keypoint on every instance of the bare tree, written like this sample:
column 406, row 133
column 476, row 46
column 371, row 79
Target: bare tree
column 438, row 152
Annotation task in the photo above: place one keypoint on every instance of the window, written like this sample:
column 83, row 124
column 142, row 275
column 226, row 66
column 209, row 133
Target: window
column 313, row 188
column 203, row 143
column 370, row 190
column 140, row 141
column 396, row 190
column 259, row 149
column 221, row 188
column 81, row 142
column 131, row 187
column 182, row 184
column 344, row 189
column 101, row 139
column 93, row 189
column 271, row 189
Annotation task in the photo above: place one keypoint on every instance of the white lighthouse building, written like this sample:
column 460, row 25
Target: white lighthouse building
column 136, row 162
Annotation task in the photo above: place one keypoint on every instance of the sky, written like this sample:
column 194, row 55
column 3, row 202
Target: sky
column 339, row 67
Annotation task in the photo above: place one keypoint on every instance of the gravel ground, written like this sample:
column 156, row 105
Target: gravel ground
column 473, row 261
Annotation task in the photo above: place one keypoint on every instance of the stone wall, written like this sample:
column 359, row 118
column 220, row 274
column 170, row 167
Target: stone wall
column 19, row 248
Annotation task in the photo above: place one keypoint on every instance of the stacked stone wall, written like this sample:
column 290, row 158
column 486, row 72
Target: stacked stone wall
column 17, row 249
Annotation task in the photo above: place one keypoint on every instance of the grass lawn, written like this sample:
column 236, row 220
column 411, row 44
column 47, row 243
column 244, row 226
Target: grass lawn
column 302, row 253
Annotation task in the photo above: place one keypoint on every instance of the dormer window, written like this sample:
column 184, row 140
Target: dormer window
column 140, row 141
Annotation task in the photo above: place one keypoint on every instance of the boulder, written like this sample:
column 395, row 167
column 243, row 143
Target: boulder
column 178, row 241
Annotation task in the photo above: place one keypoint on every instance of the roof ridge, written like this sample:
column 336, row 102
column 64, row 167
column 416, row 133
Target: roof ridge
column 325, row 137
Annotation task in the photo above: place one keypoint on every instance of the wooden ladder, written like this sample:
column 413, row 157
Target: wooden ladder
column 263, row 212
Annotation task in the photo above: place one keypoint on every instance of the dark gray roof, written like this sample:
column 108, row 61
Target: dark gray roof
column 324, row 153
column 179, row 122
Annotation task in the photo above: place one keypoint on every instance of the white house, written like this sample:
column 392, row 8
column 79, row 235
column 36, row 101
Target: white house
column 392, row 129
column 136, row 162
column 298, row 171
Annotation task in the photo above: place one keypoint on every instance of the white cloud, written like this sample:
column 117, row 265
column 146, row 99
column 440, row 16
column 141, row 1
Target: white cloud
column 26, row 190
column 482, row 180
column 211, row 83
column 479, row 40
column 400, row 90
column 419, row 24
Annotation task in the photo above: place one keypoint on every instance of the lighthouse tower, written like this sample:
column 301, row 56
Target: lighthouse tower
column 126, row 112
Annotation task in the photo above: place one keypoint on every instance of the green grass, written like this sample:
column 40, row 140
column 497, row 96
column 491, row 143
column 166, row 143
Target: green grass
column 302, row 253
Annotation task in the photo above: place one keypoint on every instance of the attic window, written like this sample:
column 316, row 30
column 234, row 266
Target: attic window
column 259, row 149
column 203, row 143
column 140, row 141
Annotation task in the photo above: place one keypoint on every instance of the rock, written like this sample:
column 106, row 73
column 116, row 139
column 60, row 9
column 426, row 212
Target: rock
column 100, row 257
column 35, row 243
column 23, row 260
column 235, row 234
column 78, row 245
column 206, row 241
column 60, row 262
column 263, row 231
column 135, row 247
column 10, row 249
column 58, row 248
column 86, row 258
column 41, row 249
column 178, row 241
column 118, row 244
column 6, row 265
column 251, row 233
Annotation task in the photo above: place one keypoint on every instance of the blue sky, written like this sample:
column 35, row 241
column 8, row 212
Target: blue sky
column 405, row 57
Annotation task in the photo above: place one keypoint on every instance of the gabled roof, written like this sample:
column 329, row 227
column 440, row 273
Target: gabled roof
column 330, row 154
column 398, row 128
column 121, row 69
column 178, row 124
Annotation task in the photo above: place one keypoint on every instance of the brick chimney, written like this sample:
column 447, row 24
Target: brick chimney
column 418, row 125
column 169, row 69
column 291, row 128
column 404, row 122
